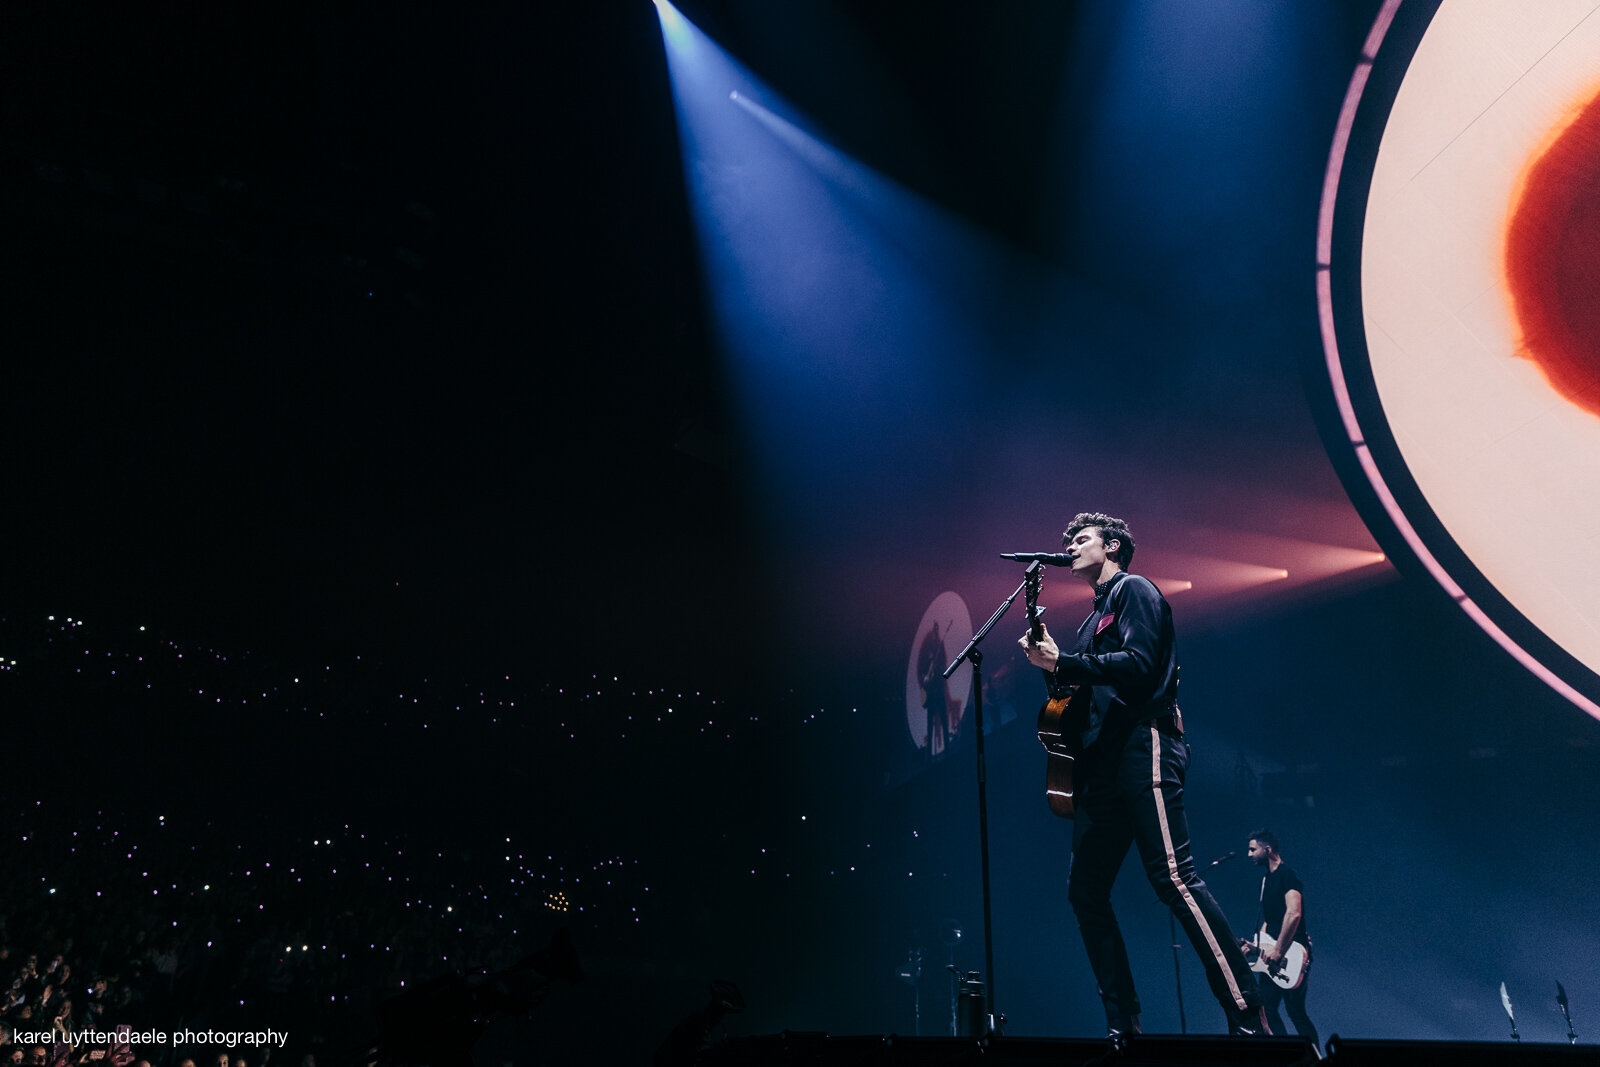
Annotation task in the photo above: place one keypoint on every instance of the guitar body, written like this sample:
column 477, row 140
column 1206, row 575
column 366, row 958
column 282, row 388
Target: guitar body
column 1061, row 756
column 1288, row 972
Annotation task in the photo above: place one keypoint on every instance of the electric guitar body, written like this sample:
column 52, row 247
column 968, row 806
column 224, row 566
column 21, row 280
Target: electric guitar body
column 1286, row 973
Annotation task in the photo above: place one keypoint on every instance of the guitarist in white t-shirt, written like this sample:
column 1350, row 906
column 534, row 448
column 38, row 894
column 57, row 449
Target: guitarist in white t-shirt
column 1282, row 939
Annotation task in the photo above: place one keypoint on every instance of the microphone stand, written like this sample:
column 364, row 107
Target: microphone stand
column 973, row 653
column 1172, row 934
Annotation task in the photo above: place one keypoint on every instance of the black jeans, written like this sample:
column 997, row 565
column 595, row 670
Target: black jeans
column 1131, row 792
column 1293, row 999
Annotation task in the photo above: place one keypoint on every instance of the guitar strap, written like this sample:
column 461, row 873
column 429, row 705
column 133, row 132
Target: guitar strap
column 1089, row 717
column 1261, row 911
column 1086, row 633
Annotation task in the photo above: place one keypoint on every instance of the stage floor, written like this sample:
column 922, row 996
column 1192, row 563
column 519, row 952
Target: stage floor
column 795, row 1048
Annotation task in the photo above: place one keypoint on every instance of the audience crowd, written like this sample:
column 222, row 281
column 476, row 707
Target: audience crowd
column 198, row 842
column 101, row 962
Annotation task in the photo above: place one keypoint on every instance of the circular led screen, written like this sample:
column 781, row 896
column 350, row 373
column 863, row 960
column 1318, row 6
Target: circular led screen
column 1459, row 282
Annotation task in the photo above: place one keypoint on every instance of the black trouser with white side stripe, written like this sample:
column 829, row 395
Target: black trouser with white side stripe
column 1132, row 793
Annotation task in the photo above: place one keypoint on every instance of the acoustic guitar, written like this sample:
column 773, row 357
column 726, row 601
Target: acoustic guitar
column 1060, row 741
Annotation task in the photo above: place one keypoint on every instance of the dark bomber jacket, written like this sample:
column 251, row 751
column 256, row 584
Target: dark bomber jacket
column 1123, row 658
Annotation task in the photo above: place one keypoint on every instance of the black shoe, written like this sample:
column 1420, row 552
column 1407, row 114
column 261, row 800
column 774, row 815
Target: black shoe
column 1113, row 1055
column 1119, row 1028
column 1252, row 1022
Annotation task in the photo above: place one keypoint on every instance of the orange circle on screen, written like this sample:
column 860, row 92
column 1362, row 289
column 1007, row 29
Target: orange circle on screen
column 1553, row 260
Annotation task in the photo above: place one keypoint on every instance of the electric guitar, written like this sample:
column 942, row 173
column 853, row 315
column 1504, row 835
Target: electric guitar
column 1286, row 973
column 1060, row 743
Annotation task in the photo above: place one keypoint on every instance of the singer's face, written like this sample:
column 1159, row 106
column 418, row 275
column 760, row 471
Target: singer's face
column 1090, row 548
column 1258, row 852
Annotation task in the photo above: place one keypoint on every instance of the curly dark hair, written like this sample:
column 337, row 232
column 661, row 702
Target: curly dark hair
column 1110, row 530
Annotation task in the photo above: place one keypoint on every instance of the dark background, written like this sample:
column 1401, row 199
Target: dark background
column 452, row 340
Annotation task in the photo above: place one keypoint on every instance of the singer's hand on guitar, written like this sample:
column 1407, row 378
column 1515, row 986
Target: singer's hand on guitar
column 1042, row 653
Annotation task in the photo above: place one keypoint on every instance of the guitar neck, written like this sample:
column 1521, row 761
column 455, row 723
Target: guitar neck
column 1033, row 580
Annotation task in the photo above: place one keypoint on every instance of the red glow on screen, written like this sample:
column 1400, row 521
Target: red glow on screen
column 1553, row 259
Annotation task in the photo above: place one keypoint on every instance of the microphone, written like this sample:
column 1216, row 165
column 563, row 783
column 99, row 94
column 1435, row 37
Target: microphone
column 1207, row 867
column 1053, row 559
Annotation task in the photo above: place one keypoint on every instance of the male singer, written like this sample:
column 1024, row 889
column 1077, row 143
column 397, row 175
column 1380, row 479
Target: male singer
column 1122, row 675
